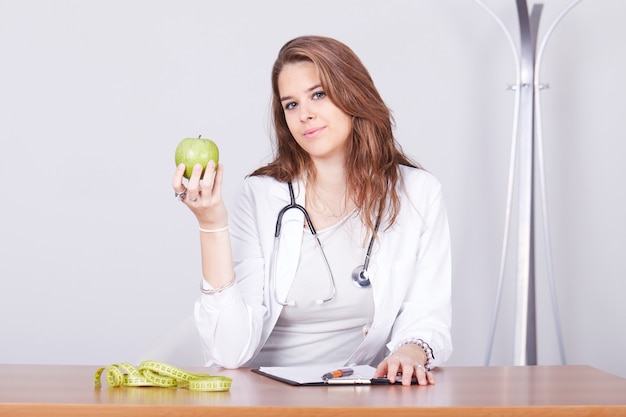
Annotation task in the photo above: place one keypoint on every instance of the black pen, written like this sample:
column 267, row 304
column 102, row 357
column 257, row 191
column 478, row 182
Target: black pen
column 338, row 373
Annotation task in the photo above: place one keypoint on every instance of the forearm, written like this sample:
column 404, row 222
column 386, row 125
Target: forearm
column 230, row 322
column 216, row 254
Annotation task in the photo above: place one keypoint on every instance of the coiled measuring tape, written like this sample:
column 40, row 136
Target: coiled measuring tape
column 159, row 374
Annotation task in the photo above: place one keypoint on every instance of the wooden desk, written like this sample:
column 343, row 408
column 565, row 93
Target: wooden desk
column 49, row 390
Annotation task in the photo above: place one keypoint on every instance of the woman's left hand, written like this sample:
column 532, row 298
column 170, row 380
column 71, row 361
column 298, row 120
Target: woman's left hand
column 408, row 359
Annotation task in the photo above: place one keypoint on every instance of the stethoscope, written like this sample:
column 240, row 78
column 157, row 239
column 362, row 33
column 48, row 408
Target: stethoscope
column 360, row 275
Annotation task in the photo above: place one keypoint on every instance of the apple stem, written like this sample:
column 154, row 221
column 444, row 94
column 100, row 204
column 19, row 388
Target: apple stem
column 199, row 136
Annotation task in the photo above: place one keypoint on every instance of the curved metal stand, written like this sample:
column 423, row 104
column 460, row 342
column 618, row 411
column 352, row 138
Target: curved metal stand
column 526, row 145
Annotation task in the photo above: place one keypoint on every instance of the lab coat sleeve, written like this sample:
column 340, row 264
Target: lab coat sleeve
column 230, row 323
column 426, row 311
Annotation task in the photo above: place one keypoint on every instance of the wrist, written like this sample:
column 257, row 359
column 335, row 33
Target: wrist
column 211, row 291
column 213, row 230
column 423, row 346
column 205, row 224
column 215, row 221
column 213, row 226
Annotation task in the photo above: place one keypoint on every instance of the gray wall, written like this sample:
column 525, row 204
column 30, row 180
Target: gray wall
column 97, row 259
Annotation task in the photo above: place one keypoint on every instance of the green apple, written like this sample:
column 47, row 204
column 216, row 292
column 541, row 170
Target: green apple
column 192, row 151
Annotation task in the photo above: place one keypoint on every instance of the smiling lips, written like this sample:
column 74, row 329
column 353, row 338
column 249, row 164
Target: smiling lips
column 311, row 133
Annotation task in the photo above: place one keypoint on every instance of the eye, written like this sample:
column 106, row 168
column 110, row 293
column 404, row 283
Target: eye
column 318, row 94
column 290, row 105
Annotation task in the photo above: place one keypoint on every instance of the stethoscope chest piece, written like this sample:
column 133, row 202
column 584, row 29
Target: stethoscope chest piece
column 360, row 277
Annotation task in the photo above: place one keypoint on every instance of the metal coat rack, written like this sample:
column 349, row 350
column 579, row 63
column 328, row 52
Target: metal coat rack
column 527, row 161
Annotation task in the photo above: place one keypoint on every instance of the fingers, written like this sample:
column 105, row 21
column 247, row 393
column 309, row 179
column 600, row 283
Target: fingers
column 217, row 179
column 210, row 179
column 200, row 183
column 423, row 376
column 392, row 372
column 430, row 378
column 391, row 366
column 193, row 185
column 209, row 183
column 177, row 181
column 191, row 192
column 388, row 369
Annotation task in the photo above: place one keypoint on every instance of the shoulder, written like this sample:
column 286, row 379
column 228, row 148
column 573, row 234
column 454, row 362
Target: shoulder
column 421, row 195
column 261, row 190
column 260, row 184
column 257, row 182
column 418, row 181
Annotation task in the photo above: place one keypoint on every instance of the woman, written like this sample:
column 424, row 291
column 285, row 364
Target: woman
column 286, row 294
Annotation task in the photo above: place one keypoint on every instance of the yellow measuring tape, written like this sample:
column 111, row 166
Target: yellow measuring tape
column 159, row 374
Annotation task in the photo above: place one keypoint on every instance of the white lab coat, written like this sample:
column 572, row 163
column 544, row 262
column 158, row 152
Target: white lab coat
column 409, row 269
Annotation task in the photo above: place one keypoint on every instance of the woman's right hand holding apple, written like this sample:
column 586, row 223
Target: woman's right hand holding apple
column 203, row 196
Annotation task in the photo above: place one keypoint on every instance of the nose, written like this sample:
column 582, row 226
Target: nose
column 306, row 113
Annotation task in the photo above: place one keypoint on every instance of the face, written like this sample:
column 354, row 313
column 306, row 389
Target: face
column 316, row 123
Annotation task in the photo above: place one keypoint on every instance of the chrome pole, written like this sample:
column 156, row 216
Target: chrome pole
column 525, row 346
column 526, row 144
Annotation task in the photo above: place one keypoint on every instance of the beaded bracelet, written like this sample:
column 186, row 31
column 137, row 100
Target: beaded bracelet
column 430, row 356
column 217, row 290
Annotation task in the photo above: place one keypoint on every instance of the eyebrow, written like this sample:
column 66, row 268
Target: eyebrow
column 315, row 87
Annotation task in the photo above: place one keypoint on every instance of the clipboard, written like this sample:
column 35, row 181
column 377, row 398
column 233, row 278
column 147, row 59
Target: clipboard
column 311, row 376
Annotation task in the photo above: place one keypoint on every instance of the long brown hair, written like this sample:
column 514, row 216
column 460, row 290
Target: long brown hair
column 373, row 154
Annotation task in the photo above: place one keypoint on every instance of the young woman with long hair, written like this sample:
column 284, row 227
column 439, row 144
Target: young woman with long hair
column 356, row 268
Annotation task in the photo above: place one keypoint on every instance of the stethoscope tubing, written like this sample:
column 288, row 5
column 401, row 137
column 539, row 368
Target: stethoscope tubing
column 362, row 281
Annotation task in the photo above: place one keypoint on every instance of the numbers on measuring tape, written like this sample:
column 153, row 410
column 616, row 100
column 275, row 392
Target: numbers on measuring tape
column 159, row 374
